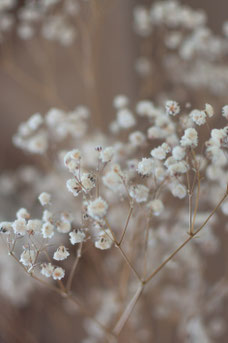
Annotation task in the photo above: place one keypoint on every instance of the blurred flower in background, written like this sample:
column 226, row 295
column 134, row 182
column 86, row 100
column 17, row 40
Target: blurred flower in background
column 113, row 181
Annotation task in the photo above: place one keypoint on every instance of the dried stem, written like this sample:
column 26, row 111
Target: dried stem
column 78, row 256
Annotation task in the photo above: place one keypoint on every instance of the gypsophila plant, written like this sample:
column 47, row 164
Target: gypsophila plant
column 141, row 205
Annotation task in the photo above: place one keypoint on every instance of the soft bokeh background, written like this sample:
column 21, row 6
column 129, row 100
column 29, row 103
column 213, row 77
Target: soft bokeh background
column 25, row 69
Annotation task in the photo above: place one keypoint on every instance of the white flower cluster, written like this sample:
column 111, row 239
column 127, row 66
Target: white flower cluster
column 34, row 134
column 52, row 19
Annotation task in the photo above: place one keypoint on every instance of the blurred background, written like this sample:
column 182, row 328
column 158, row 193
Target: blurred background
column 36, row 75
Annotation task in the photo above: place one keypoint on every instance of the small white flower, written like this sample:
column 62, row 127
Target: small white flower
column 125, row 119
column 61, row 253
column 73, row 187
column 34, row 226
column 146, row 166
column 106, row 154
column 47, row 230
column 97, row 208
column 154, row 132
column 44, row 198
column 104, row 240
column 113, row 181
column 217, row 136
column 19, row 226
column 172, row 107
column 139, row 193
column 77, row 236
column 63, row 226
column 120, row 101
column 22, row 213
column 178, row 153
column 190, row 138
column 156, row 206
column 145, row 108
column 225, row 112
column 137, row 138
column 158, row 153
column 37, row 144
column 47, row 269
column 209, row 110
column 54, row 117
column 72, row 155
column 35, row 121
column 28, row 257
column 58, row 273
column 178, row 190
column 180, row 167
column 198, row 117
column 87, row 181
column 47, row 216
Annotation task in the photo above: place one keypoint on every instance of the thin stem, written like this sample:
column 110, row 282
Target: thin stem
column 197, row 203
column 126, row 225
column 129, row 263
column 128, row 310
column 121, row 250
column 78, row 256
column 185, row 242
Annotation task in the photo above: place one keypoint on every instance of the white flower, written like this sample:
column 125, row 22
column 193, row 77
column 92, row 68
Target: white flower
column 54, row 117
column 87, row 181
column 28, row 257
column 198, row 117
column 172, row 108
column 113, row 181
column 34, row 225
column 180, row 167
column 209, row 110
column 156, row 206
column 190, row 138
column 178, row 190
column 47, row 230
column 137, row 138
column 35, row 121
column 77, row 236
column 217, row 136
column 97, row 208
column 37, row 144
column 120, row 101
column 74, row 155
column 225, row 112
column 61, row 253
column 158, row 153
column 178, row 153
column 58, row 273
column 44, row 198
column 139, row 193
column 104, row 240
column 106, row 154
column 47, row 216
column 154, row 132
column 166, row 147
column 47, row 269
column 145, row 108
column 146, row 166
column 19, row 226
column 63, row 226
column 73, row 187
column 125, row 119
column 22, row 214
